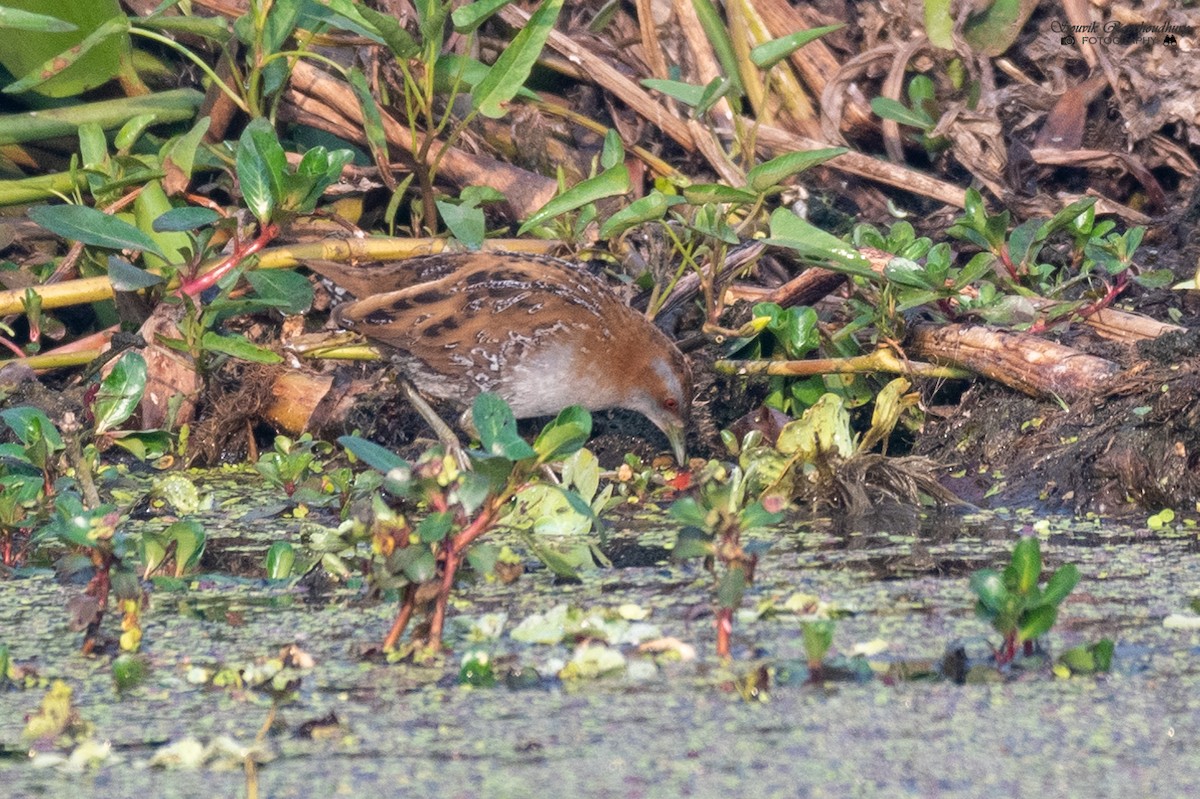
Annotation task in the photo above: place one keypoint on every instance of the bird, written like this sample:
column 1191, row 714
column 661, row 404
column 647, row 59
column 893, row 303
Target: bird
column 540, row 332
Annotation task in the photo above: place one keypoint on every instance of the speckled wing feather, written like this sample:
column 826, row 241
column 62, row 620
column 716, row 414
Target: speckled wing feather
column 376, row 277
column 542, row 333
column 472, row 318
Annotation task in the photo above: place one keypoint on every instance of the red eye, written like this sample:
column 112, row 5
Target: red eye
column 671, row 404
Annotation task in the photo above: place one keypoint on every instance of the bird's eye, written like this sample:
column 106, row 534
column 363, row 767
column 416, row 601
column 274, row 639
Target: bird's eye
column 671, row 404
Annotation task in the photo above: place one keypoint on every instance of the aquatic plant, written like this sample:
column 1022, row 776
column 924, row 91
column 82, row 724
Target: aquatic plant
column 715, row 518
column 1014, row 603
column 421, row 558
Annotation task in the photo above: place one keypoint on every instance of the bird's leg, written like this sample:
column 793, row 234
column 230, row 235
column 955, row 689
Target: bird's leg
column 440, row 428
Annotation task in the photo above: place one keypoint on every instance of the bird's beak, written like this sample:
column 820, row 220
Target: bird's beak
column 677, row 435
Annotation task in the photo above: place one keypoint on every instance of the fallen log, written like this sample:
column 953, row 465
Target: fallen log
column 1021, row 361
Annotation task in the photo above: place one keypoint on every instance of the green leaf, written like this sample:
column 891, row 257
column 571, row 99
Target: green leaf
column 768, row 54
column 32, row 426
column 60, row 63
column 904, row 272
column 143, row 444
column 692, row 542
column 717, row 32
column 469, row 17
column 473, row 490
column 93, row 228
column 818, row 638
column 613, row 152
column 790, row 231
column 1154, row 279
column 260, row 165
column 717, row 89
column 1036, row 622
column 1061, row 584
column 435, row 527
column 465, row 221
column 650, row 208
column 979, row 265
column 686, row 93
column 75, row 525
column 731, row 588
column 373, row 128
column 189, row 538
column 300, row 191
column 1027, row 564
column 120, row 392
column 131, row 131
column 988, row 586
column 551, row 510
column 995, row 27
column 180, row 152
column 772, row 173
column 609, row 183
column 378, row 458
column 28, row 53
column 558, row 565
column 238, row 346
column 939, row 23
column 129, row 671
column 897, row 111
column 124, row 276
column 689, row 512
column 755, row 516
column 400, row 41
column 512, row 68
column 482, row 558
column 285, row 289
column 565, row 435
column 417, row 563
column 16, row 19
column 582, row 472
column 152, row 551
column 705, row 193
column 497, row 428
column 189, row 217
column 795, row 328
column 921, row 90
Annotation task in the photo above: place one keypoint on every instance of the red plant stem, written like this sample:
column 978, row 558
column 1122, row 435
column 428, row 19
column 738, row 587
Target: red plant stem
column 402, row 618
column 724, row 631
column 1008, row 650
column 1007, row 262
column 20, row 353
column 1118, row 286
column 484, row 521
column 240, row 252
column 451, row 557
column 452, row 554
column 438, row 620
column 1121, row 283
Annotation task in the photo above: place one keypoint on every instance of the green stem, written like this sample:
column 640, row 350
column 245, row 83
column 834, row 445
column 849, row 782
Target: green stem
column 195, row 59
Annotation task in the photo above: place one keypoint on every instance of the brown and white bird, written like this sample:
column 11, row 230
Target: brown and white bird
column 540, row 332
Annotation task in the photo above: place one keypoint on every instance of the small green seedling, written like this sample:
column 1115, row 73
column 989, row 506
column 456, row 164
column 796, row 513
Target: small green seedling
column 818, row 638
column 290, row 462
column 1086, row 659
column 714, row 521
column 1013, row 602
